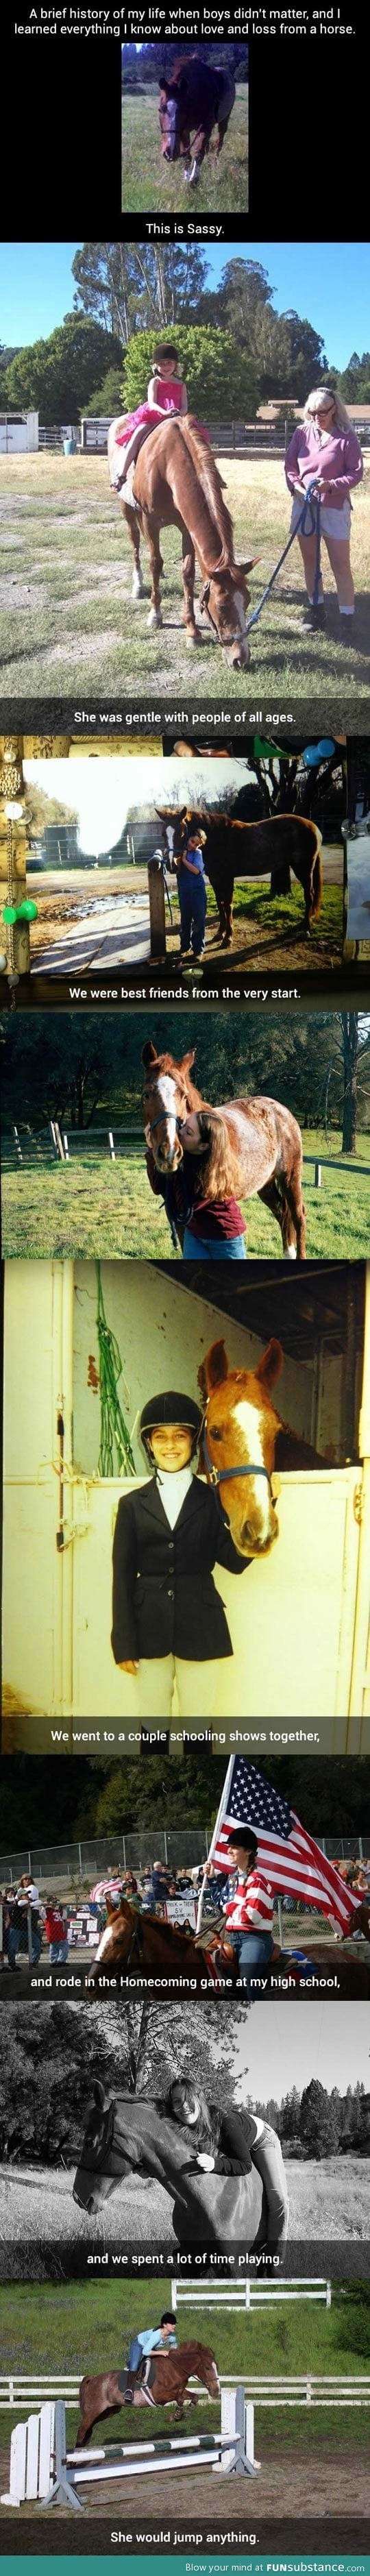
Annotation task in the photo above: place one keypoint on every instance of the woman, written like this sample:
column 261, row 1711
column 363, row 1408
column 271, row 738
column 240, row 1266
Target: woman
column 169, row 1623
column 212, row 1223
column 324, row 449
column 230, row 2142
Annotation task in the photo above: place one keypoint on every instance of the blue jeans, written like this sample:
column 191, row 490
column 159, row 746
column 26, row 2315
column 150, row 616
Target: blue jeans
column 193, row 907
column 18, row 1941
column 58, row 1950
column 253, row 1949
column 196, row 1247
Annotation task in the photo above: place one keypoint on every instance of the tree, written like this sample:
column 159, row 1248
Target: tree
column 107, row 402
column 57, row 376
column 319, row 2125
column 128, row 286
column 220, row 380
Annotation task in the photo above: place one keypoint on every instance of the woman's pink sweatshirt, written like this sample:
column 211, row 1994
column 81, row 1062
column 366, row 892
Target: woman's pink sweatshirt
column 336, row 457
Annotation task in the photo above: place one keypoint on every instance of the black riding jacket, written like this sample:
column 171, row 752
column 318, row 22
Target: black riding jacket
column 164, row 1598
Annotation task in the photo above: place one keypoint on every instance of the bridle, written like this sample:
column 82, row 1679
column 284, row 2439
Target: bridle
column 225, row 640
column 152, row 1123
column 225, row 1475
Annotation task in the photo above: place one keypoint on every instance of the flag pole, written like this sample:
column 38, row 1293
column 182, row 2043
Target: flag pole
column 221, row 1812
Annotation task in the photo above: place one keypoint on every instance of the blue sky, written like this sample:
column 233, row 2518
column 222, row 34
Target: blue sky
column 327, row 282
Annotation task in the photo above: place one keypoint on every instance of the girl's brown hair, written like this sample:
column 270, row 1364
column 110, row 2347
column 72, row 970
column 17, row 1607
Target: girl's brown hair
column 219, row 1175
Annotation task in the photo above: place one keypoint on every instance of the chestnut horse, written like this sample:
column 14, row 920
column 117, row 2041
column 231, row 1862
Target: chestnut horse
column 244, row 1147
column 134, row 1941
column 199, row 96
column 165, row 2385
column 176, row 484
column 241, row 849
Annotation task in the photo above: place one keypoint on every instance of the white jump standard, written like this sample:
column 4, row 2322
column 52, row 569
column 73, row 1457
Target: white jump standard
column 43, row 2471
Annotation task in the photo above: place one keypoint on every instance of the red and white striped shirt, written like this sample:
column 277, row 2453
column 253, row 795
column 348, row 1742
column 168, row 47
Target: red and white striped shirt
column 251, row 1908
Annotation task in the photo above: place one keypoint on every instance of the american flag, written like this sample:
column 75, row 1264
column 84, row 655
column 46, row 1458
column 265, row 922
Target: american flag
column 286, row 1852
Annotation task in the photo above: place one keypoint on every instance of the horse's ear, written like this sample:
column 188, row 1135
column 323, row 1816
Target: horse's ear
column 270, row 1365
column 187, row 1060
column 249, row 565
column 214, row 1368
column 149, row 1052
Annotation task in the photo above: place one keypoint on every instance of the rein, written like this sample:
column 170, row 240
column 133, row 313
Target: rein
column 224, row 1475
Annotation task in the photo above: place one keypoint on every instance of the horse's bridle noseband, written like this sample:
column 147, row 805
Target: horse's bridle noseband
column 225, row 1475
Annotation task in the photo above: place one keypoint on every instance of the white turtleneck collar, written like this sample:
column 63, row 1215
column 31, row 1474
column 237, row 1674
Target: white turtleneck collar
column 172, row 1491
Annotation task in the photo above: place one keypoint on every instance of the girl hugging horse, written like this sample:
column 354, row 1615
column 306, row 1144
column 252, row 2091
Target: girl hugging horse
column 166, row 393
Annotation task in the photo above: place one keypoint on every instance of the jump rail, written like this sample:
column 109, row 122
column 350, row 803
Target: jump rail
column 43, row 2471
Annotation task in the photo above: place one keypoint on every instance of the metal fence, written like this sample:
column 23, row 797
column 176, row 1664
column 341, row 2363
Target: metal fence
column 188, row 1845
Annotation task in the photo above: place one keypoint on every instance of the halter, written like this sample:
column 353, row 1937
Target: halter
column 204, row 603
column 224, row 1475
column 158, row 1122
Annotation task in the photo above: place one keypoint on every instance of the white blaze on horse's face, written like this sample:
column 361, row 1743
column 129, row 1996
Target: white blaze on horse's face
column 259, row 1524
column 227, row 608
column 165, row 1141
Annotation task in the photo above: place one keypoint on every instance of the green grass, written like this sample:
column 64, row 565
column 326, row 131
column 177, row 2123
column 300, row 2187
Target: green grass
column 85, row 2326
column 93, row 1206
column 69, row 619
column 151, row 184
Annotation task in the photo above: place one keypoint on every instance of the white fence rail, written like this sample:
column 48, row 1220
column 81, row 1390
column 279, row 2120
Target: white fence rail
column 246, row 2293
column 308, row 2389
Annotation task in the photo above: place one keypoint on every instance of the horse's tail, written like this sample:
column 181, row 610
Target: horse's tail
column 317, row 877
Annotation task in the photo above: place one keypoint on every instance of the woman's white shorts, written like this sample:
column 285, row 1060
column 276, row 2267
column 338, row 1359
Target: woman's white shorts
column 333, row 523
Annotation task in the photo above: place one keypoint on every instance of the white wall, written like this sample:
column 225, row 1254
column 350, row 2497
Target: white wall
column 163, row 1332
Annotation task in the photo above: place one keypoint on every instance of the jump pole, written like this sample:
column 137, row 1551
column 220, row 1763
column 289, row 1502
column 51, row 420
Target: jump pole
column 43, row 2470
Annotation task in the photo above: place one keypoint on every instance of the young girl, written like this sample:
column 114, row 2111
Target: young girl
column 169, row 1622
column 192, row 895
column 166, row 393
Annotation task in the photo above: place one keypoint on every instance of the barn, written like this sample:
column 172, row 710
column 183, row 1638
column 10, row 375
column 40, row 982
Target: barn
column 19, row 430
column 300, row 1621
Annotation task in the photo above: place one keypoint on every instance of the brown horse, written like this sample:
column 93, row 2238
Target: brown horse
column 143, row 1946
column 141, row 1942
column 238, row 849
column 244, row 1147
column 176, row 484
column 199, row 96
column 167, row 2385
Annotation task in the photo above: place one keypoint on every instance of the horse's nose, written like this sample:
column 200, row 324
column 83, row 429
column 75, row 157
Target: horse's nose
column 261, row 1542
column 239, row 656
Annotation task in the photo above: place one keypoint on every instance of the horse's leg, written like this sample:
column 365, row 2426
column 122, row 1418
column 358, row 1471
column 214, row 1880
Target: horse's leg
column 156, row 567
column 293, row 1189
column 223, row 123
column 134, row 529
column 304, row 875
column 276, row 1201
column 203, row 143
column 193, row 634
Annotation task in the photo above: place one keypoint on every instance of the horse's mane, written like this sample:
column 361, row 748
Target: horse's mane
column 167, row 1065
column 212, row 488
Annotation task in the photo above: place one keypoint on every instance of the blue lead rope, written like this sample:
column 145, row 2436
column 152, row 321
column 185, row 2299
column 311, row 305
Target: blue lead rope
column 311, row 504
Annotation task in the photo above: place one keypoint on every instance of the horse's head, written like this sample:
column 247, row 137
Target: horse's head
column 240, row 1430
column 167, row 1100
column 93, row 2180
column 111, row 1944
column 169, row 120
column 205, row 2369
column 224, row 600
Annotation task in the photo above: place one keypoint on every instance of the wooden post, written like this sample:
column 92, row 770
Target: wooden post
column 156, row 909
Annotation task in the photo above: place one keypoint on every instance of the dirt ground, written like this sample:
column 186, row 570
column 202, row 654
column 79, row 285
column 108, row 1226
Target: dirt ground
column 68, row 900
column 297, row 2486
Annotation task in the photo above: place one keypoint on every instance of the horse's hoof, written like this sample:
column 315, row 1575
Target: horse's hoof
column 138, row 592
column 192, row 640
column 155, row 618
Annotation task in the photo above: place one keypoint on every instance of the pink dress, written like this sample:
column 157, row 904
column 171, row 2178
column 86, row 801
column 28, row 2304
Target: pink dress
column 153, row 413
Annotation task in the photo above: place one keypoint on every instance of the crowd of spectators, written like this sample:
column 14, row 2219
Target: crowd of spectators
column 29, row 1921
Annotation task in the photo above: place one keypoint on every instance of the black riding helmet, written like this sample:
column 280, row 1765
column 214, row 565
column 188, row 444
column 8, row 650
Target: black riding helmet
column 170, row 1407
